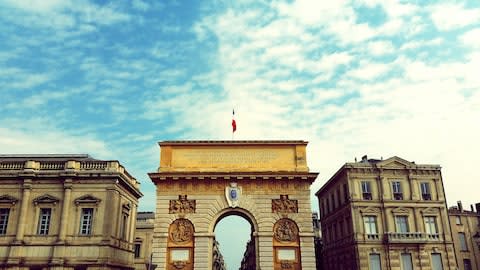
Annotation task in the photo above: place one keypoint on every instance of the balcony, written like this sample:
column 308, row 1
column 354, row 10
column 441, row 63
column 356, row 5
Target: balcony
column 426, row 196
column 367, row 196
column 411, row 237
column 398, row 196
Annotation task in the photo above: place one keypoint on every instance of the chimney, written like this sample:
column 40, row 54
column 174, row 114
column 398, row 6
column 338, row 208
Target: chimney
column 460, row 207
column 477, row 206
column 471, row 208
column 364, row 158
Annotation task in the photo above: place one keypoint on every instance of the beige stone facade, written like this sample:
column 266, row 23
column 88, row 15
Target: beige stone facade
column 266, row 182
column 66, row 212
column 465, row 226
column 144, row 240
column 385, row 214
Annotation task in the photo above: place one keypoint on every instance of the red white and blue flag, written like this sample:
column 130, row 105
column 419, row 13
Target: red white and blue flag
column 234, row 124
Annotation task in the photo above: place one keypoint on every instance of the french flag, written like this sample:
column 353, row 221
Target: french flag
column 234, row 124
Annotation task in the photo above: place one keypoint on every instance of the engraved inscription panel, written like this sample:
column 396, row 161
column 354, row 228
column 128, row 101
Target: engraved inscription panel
column 236, row 159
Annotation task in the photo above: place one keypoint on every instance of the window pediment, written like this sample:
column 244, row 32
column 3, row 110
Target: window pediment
column 370, row 210
column 87, row 199
column 8, row 199
column 46, row 198
column 429, row 211
column 400, row 210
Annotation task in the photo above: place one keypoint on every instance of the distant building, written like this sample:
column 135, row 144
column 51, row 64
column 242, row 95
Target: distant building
column 218, row 263
column 66, row 212
column 144, row 240
column 466, row 234
column 385, row 214
column 317, row 241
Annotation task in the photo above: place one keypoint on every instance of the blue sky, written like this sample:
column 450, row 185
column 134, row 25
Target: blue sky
column 372, row 77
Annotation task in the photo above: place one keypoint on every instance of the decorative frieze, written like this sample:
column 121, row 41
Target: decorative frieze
column 284, row 205
column 182, row 205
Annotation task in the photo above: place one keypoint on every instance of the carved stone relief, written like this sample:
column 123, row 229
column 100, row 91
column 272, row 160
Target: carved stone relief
column 284, row 205
column 285, row 230
column 181, row 231
column 182, row 205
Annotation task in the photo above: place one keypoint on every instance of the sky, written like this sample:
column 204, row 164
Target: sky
column 377, row 77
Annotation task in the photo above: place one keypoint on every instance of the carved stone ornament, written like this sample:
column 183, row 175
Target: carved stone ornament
column 179, row 264
column 286, row 265
column 182, row 205
column 284, row 205
column 181, row 231
column 46, row 198
column 233, row 194
column 285, row 230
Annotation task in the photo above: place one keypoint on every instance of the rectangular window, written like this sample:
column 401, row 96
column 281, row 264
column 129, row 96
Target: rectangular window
column 407, row 261
column 370, row 224
column 458, row 220
column 86, row 221
column 123, row 228
column 4, row 213
column 345, row 192
column 430, row 225
column 44, row 221
column 366, row 190
column 401, row 223
column 437, row 261
column 397, row 190
column 463, row 242
column 137, row 249
column 467, row 265
column 375, row 262
column 425, row 188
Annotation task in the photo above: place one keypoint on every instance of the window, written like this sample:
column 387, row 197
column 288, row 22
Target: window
column 397, row 190
column 437, row 261
column 430, row 225
column 458, row 220
column 407, row 261
column 137, row 250
column 366, row 190
column 345, row 192
column 86, row 221
column 370, row 224
column 463, row 242
column 467, row 265
column 401, row 223
column 425, row 188
column 4, row 213
column 44, row 221
column 375, row 262
column 123, row 228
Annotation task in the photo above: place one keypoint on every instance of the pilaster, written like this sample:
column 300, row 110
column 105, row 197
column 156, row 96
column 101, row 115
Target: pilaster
column 27, row 187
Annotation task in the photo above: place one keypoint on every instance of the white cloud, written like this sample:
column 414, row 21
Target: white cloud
column 381, row 47
column 369, row 71
column 140, row 5
column 411, row 45
column 471, row 38
column 448, row 16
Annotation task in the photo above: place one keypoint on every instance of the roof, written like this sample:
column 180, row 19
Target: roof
column 46, row 157
column 233, row 142
column 145, row 215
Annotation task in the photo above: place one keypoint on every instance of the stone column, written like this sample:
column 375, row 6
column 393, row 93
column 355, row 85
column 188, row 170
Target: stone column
column 307, row 250
column 67, row 193
column 159, row 250
column 203, row 251
column 265, row 250
column 27, row 186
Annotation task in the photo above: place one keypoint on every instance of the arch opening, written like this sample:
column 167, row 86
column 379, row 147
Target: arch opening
column 234, row 242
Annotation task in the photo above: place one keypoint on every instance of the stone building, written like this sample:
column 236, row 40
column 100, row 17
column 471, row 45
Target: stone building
column 66, row 212
column 385, row 214
column 465, row 226
column 144, row 240
column 266, row 182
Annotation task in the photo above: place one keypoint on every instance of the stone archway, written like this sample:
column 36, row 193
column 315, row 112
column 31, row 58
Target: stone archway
column 204, row 181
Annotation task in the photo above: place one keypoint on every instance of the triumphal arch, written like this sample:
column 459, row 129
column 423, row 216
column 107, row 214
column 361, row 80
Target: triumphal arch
column 266, row 182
